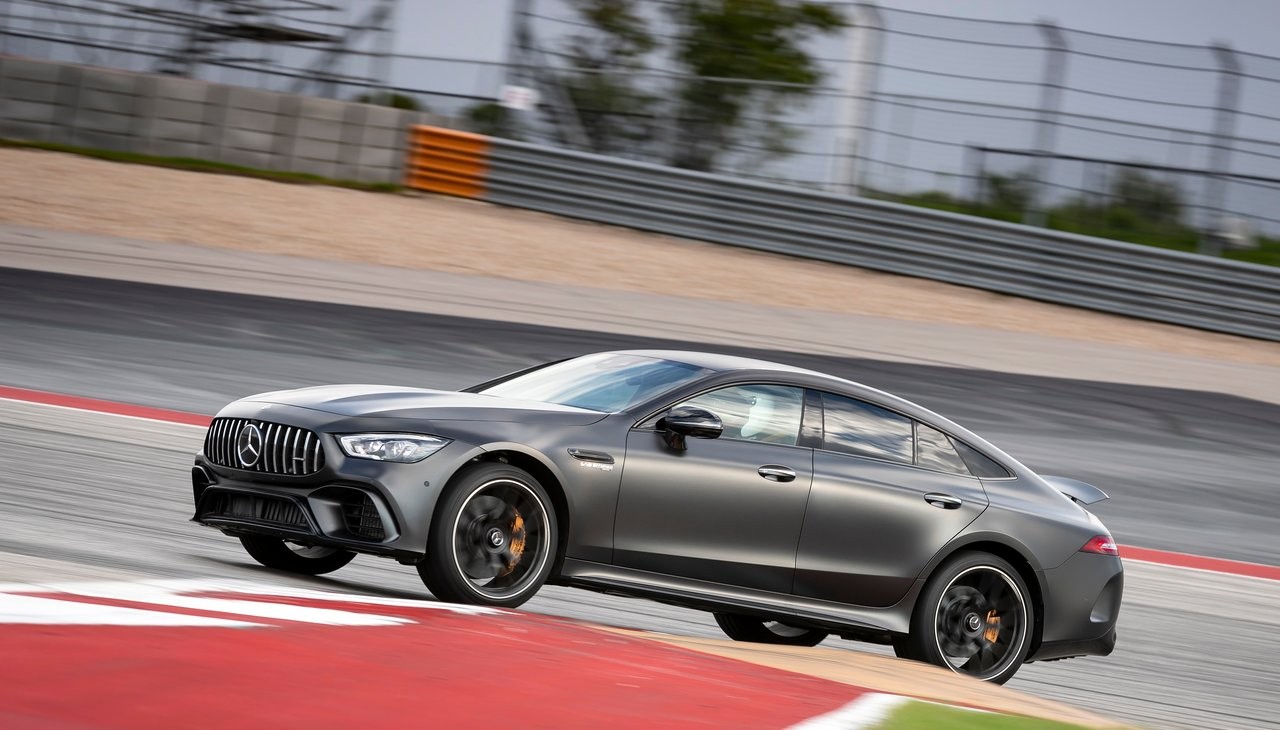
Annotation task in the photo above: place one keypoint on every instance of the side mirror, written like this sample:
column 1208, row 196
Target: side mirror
column 683, row 421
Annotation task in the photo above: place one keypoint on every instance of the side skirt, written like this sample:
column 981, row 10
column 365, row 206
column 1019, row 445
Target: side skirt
column 851, row 621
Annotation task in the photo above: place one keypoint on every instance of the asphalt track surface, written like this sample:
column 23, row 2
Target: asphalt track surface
column 1188, row 471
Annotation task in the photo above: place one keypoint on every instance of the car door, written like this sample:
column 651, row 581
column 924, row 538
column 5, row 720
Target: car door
column 727, row 510
column 888, row 493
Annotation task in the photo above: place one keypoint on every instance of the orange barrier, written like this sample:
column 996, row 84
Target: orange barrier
column 447, row 161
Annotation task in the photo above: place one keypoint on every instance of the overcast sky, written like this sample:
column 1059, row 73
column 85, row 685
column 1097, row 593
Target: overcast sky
column 477, row 29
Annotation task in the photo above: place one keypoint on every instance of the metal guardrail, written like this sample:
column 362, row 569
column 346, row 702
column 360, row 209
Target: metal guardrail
column 1109, row 276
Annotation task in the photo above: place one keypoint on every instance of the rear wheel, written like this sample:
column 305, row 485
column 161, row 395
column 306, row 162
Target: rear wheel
column 974, row 618
column 492, row 540
column 749, row 628
column 308, row 560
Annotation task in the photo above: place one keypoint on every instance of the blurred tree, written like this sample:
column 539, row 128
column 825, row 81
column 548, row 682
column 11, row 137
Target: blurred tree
column 616, row 115
column 1149, row 198
column 490, row 118
column 392, row 99
column 1007, row 196
column 726, row 45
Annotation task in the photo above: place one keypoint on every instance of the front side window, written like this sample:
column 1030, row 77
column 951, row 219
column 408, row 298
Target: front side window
column 765, row 413
column 856, row 427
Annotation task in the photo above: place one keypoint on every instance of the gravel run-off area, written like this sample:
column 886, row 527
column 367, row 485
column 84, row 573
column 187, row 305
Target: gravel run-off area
column 68, row 192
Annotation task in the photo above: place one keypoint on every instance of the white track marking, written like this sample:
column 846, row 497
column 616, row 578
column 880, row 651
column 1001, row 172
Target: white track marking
column 195, row 586
column 49, row 611
column 867, row 711
column 61, row 607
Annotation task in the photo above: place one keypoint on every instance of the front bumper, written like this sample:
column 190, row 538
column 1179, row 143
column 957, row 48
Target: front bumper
column 366, row 506
column 1081, row 606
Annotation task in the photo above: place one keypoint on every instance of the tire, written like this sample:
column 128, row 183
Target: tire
column 749, row 628
column 493, row 538
column 975, row 617
column 276, row 553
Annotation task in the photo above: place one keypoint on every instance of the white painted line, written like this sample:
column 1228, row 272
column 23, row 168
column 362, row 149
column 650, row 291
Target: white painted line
column 49, row 611
column 195, row 586
column 178, row 594
column 867, row 711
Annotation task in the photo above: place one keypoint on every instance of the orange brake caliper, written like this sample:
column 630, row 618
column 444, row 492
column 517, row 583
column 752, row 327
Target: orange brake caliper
column 993, row 627
column 517, row 543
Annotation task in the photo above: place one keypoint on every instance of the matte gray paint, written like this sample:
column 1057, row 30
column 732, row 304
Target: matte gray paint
column 869, row 531
column 847, row 546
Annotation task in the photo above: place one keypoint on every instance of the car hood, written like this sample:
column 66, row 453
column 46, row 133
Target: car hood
column 385, row 401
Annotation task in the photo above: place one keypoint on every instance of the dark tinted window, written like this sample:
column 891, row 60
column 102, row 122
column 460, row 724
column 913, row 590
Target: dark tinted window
column 766, row 413
column 980, row 465
column 934, row 450
column 857, row 427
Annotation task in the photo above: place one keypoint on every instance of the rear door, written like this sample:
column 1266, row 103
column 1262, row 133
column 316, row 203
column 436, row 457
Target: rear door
column 887, row 494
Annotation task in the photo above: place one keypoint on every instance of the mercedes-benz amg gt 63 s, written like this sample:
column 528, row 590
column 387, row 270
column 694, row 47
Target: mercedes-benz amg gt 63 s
column 791, row 504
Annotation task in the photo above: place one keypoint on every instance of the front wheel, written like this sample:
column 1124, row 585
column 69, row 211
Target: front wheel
column 307, row 560
column 492, row 540
column 760, row 631
column 974, row 618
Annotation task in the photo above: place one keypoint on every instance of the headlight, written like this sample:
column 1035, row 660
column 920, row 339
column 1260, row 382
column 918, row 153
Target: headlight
column 404, row 448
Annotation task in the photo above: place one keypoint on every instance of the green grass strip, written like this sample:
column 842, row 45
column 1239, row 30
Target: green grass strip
column 928, row 716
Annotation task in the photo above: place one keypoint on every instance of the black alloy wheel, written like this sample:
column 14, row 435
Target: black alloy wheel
column 749, row 628
column 493, row 538
column 974, row 618
column 305, row 559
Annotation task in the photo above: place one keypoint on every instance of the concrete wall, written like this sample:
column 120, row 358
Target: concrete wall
column 174, row 117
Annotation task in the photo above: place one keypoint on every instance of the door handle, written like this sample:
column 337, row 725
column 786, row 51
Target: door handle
column 944, row 501
column 776, row 473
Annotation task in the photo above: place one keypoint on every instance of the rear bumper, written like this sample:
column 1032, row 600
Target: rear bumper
column 1081, row 606
column 1101, row 646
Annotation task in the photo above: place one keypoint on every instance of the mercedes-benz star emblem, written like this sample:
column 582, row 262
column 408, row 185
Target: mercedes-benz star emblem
column 249, row 445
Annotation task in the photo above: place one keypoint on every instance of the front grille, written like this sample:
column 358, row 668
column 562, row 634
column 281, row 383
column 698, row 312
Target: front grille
column 362, row 518
column 283, row 449
column 258, row 508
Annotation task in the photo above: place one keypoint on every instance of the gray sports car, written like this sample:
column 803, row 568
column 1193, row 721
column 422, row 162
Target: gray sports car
column 791, row 504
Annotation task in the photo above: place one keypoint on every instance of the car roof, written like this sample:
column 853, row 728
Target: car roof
column 719, row 362
column 732, row 363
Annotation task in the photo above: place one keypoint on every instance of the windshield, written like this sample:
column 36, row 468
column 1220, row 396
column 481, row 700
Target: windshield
column 606, row 382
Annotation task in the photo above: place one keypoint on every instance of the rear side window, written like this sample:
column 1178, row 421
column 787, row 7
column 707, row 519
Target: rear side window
column 934, row 450
column 856, row 427
column 980, row 465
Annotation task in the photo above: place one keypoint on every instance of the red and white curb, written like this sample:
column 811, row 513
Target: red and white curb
column 154, row 655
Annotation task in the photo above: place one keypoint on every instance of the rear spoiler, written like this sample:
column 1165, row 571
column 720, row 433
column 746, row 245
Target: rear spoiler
column 1077, row 490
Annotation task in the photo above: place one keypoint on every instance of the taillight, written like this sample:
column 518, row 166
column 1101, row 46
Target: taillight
column 1102, row 544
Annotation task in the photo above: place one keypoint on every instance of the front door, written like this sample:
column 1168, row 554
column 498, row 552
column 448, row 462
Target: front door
column 726, row 510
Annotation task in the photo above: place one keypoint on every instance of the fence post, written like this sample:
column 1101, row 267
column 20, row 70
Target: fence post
column 4, row 26
column 1055, row 69
column 975, row 165
column 1224, row 125
column 899, row 154
column 518, row 69
column 853, row 132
